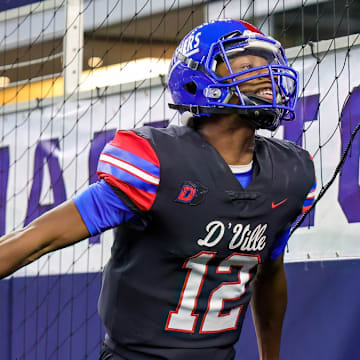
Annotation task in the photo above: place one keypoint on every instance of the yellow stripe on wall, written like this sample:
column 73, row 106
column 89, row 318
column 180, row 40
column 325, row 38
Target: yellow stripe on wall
column 123, row 73
column 31, row 91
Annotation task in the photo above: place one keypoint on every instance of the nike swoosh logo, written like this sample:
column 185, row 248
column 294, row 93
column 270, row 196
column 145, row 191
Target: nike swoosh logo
column 274, row 206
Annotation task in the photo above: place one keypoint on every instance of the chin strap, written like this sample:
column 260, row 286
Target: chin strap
column 197, row 110
column 258, row 118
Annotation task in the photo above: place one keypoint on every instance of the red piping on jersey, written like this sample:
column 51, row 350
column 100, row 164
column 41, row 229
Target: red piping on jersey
column 306, row 208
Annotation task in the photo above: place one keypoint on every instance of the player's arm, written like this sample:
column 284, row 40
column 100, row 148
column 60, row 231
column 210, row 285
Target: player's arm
column 128, row 166
column 270, row 295
column 268, row 306
column 91, row 212
column 56, row 229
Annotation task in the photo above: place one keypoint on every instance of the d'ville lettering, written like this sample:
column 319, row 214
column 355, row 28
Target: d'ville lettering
column 244, row 238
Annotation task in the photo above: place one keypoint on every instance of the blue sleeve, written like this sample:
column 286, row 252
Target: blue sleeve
column 279, row 245
column 100, row 208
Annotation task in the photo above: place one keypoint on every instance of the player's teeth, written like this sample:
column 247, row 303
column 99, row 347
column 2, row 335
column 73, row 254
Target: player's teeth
column 265, row 92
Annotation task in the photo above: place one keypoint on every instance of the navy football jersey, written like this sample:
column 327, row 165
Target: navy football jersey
column 177, row 282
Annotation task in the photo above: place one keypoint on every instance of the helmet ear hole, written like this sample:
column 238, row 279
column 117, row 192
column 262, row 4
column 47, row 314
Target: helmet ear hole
column 190, row 87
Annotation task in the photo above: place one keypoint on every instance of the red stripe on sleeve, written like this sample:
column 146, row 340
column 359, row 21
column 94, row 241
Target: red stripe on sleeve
column 142, row 199
column 305, row 208
column 137, row 145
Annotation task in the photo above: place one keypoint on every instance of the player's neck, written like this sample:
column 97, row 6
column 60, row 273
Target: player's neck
column 233, row 139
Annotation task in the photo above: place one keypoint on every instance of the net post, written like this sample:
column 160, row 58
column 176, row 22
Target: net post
column 73, row 46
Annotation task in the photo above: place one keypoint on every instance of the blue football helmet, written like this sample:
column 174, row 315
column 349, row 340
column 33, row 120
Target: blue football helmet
column 197, row 86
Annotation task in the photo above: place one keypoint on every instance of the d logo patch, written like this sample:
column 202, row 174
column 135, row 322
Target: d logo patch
column 192, row 193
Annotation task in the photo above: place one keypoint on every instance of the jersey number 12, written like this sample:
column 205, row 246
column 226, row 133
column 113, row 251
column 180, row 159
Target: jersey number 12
column 184, row 318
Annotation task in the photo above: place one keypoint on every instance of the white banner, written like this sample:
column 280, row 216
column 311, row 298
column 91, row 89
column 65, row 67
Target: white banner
column 68, row 137
column 337, row 215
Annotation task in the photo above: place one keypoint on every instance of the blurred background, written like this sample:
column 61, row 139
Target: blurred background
column 110, row 32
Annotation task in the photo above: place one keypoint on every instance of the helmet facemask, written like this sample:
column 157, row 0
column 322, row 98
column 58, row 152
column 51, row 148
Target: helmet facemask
column 252, row 78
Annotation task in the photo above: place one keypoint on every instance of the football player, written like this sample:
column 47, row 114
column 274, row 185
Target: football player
column 203, row 211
